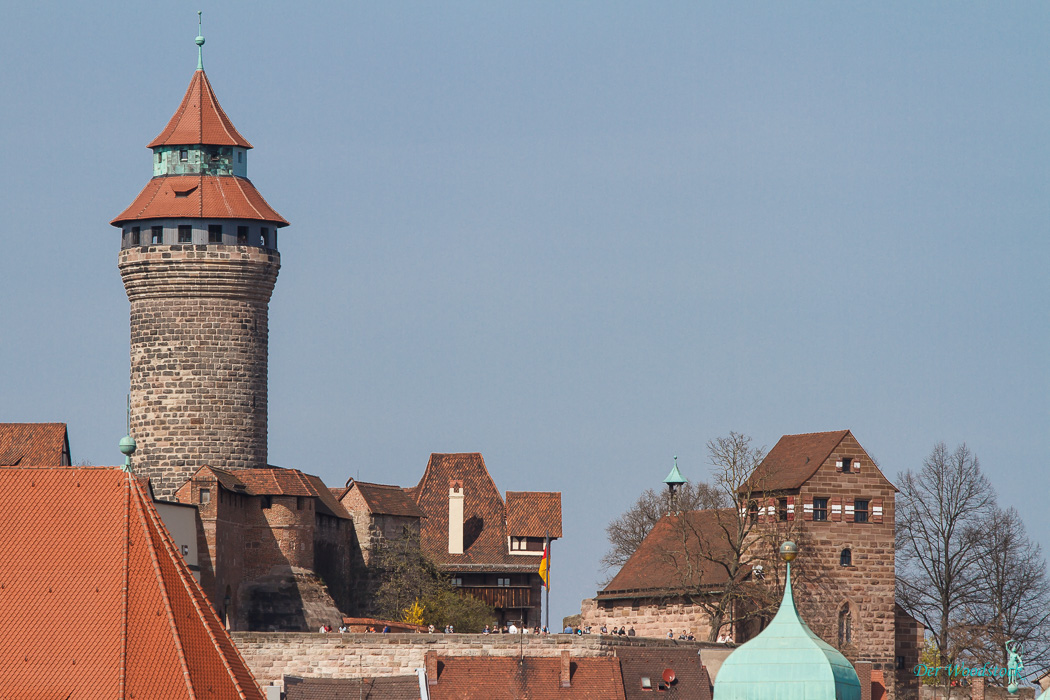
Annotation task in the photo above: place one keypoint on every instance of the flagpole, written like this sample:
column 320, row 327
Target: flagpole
column 548, row 586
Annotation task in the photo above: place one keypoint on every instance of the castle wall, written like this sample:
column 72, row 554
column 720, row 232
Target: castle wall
column 273, row 655
column 199, row 332
column 649, row 617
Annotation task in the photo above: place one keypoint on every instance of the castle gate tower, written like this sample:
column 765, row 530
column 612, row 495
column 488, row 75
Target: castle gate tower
column 199, row 260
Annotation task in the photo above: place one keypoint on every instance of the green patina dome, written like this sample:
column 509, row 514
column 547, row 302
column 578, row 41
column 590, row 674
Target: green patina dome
column 787, row 661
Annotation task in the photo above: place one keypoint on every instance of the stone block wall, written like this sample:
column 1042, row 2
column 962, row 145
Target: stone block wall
column 199, row 333
column 649, row 617
column 270, row 656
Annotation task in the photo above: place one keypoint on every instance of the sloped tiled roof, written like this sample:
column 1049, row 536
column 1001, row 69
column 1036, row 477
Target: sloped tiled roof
column 95, row 600
column 485, row 519
column 387, row 688
column 276, row 481
column 792, row 461
column 199, row 197
column 35, row 444
column 670, row 557
column 642, row 662
column 533, row 514
column 199, row 120
column 507, row 678
column 384, row 499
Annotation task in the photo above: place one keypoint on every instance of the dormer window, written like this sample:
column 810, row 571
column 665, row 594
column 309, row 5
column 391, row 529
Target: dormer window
column 184, row 155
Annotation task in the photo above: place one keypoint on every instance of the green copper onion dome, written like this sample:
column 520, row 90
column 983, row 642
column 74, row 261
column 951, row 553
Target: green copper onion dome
column 675, row 478
column 787, row 661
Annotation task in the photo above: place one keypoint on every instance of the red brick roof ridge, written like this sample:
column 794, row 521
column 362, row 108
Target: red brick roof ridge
column 200, row 82
column 180, row 653
column 206, row 613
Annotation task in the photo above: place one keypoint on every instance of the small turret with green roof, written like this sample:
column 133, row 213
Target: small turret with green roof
column 787, row 660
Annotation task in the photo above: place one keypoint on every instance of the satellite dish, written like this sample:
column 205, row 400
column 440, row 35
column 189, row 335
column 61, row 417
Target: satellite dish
column 668, row 676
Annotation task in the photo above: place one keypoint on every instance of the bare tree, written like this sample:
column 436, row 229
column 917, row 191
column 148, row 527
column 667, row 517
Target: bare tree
column 940, row 512
column 627, row 531
column 1013, row 594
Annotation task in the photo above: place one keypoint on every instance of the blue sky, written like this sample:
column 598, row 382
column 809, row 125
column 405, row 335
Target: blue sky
column 579, row 238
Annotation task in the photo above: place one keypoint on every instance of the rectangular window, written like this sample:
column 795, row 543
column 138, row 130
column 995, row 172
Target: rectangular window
column 242, row 235
column 515, row 543
column 267, row 502
column 820, row 509
column 239, row 155
column 847, row 465
column 185, row 233
column 184, row 155
column 205, row 496
column 135, row 235
column 782, row 510
column 158, row 157
column 298, row 502
column 503, row 582
column 860, row 511
column 158, row 234
column 214, row 233
column 456, row 581
column 264, row 237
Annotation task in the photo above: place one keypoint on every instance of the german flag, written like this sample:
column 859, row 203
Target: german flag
column 545, row 564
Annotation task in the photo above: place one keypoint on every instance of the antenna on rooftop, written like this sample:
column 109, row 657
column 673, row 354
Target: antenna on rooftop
column 200, row 43
column 127, row 443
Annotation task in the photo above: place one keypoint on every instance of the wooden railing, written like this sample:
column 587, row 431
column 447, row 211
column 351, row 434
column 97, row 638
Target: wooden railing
column 501, row 596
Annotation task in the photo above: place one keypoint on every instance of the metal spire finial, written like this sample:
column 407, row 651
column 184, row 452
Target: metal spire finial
column 200, row 43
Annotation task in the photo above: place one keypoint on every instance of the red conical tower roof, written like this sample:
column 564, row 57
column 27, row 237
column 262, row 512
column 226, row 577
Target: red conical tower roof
column 200, row 120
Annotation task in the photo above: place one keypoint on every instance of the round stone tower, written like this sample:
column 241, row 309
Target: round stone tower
column 199, row 260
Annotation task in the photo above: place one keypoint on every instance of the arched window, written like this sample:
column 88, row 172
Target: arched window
column 846, row 558
column 845, row 625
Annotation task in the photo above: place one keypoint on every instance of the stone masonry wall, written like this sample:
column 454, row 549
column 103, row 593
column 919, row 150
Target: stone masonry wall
column 650, row 618
column 273, row 655
column 199, row 333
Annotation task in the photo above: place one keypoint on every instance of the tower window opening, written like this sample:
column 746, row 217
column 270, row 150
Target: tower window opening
column 158, row 157
column 820, row 509
column 184, row 155
column 205, row 496
column 185, row 233
column 845, row 626
column 158, row 234
column 242, row 235
column 267, row 502
column 214, row 233
column 847, row 465
column 782, row 510
column 136, row 236
column 860, row 511
column 846, row 557
column 264, row 237
column 240, row 155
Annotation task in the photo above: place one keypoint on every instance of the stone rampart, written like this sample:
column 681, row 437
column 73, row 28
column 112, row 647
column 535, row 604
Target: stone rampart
column 271, row 655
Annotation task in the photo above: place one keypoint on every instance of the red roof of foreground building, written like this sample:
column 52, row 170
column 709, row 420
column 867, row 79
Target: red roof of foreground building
column 95, row 600
column 534, row 513
column 199, row 120
column 41, row 444
column 536, row 678
column 199, row 197
column 792, row 461
column 385, row 499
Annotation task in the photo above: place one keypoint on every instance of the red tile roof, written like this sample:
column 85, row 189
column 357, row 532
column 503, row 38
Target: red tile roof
column 276, row 481
column 387, row 688
column 199, row 120
column 507, row 678
column 34, row 444
column 95, row 600
column 383, row 499
column 533, row 514
column 690, row 676
column 792, row 461
column 200, row 197
column 670, row 557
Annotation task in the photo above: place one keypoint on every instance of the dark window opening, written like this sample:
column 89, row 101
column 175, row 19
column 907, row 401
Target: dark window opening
column 264, row 237
column 900, row 662
column 158, row 234
column 158, row 157
column 503, row 582
column 240, row 154
column 752, row 511
column 845, row 626
column 267, row 502
column 820, row 509
column 135, row 235
column 298, row 502
column 214, row 233
column 242, row 235
column 846, row 558
column 184, row 155
column 185, row 233
column 847, row 465
column 860, row 511
column 782, row 510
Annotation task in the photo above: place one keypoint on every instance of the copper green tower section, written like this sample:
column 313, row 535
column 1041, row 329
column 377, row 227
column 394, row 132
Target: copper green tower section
column 199, row 262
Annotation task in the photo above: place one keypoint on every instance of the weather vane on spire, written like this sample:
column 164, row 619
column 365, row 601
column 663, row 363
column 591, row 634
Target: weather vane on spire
column 200, row 43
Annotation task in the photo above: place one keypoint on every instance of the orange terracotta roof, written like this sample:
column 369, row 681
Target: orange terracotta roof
column 34, row 444
column 276, row 481
column 536, row 678
column 792, row 461
column 386, row 687
column 383, row 499
column 641, row 662
column 199, row 120
column 199, row 197
column 533, row 514
column 95, row 600
column 671, row 557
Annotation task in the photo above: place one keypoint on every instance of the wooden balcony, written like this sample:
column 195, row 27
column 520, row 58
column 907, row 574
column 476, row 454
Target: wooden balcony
column 501, row 596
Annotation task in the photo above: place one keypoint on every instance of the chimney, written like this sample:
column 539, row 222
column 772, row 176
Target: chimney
column 455, row 517
column 432, row 667
column 566, row 680
column 863, row 669
column 977, row 688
